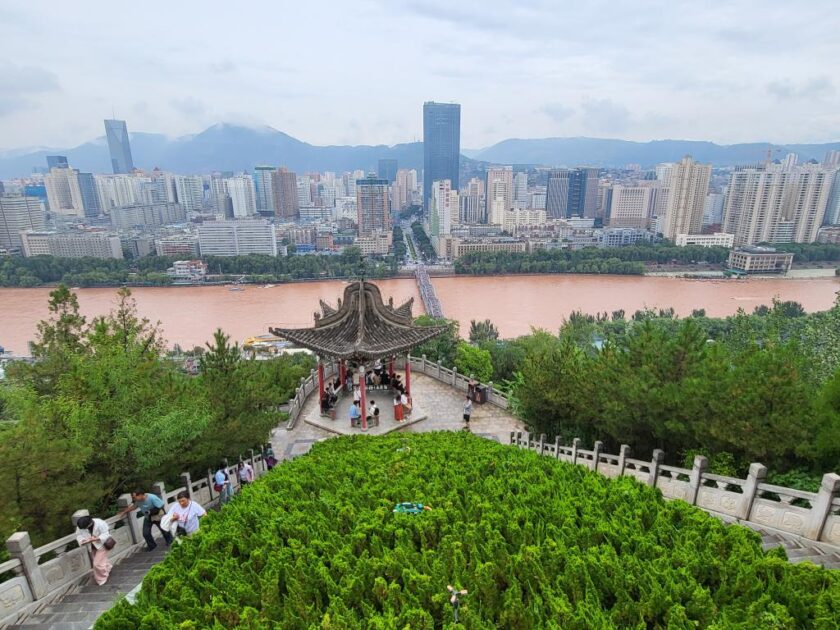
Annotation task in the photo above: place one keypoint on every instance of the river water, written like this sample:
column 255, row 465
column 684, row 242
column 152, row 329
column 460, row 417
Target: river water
column 189, row 315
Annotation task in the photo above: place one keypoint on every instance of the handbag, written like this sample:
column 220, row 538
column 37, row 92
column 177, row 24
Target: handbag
column 109, row 543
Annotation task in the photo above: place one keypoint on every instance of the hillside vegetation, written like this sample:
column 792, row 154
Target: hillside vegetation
column 537, row 543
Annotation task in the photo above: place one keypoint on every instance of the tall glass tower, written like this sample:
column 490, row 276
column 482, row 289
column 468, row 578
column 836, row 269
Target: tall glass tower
column 441, row 146
column 119, row 146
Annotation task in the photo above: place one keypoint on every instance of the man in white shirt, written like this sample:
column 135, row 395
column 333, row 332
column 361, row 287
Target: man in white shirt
column 187, row 512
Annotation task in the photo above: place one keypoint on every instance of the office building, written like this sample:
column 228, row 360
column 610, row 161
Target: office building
column 304, row 190
column 81, row 245
column 57, row 161
column 122, row 190
column 718, row 239
column 373, row 205
column 583, row 192
column 631, row 206
column 557, row 194
column 183, row 245
column 498, row 191
column 713, row 209
column 404, row 186
column 519, row 219
column 377, row 244
column 520, row 189
column 63, row 193
column 242, row 195
column 189, row 191
column 119, row 146
column 470, row 209
column 688, row 184
column 147, row 215
column 286, row 202
column 613, row 237
column 441, row 146
column 264, row 177
column 759, row 260
column 19, row 214
column 237, row 238
column 90, row 194
column 440, row 216
column 387, row 169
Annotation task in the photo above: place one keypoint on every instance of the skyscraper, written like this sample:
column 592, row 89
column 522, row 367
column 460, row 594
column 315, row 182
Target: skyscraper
column 240, row 191
column 689, row 185
column 19, row 214
column 286, row 204
column 520, row 189
column 119, row 146
column 90, row 194
column 189, row 191
column 583, row 192
column 57, row 161
column 264, row 189
column 387, row 169
column 498, row 189
column 440, row 216
column 832, row 211
column 63, row 193
column 557, row 194
column 441, row 146
column 373, row 205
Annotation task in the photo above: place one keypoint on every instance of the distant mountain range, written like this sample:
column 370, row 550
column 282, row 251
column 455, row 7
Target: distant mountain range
column 226, row 147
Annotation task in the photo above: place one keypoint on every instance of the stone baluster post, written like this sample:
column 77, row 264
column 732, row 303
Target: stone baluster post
column 829, row 489
column 423, row 369
column 135, row 528
column 623, row 454
column 454, row 376
column 596, row 453
column 656, row 459
column 527, row 439
column 757, row 475
column 542, row 443
column 489, row 391
column 210, row 482
column 20, row 547
column 254, row 464
column 557, row 446
column 186, row 481
column 439, row 367
column 575, row 447
column 701, row 464
column 519, row 438
column 159, row 489
column 313, row 378
column 513, row 437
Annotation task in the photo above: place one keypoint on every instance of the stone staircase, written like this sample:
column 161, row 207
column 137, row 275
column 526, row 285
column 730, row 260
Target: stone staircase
column 80, row 609
column 800, row 550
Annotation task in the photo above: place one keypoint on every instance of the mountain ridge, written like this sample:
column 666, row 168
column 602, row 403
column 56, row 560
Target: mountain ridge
column 231, row 147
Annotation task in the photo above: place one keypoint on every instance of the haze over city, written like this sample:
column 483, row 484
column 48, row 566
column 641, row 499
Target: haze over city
column 356, row 73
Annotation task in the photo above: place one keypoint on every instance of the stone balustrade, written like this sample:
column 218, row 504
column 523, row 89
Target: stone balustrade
column 42, row 575
column 813, row 516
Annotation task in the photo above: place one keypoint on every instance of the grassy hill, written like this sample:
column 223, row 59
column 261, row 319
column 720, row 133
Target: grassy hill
column 537, row 543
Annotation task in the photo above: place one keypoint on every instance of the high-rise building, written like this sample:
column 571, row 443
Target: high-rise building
column 219, row 196
column 264, row 177
column 93, row 244
column 387, row 169
column 520, row 189
column 832, row 159
column 557, row 194
column 189, row 191
column 124, row 190
column 240, row 190
column 63, row 193
column 90, row 194
column 441, row 146
column 498, row 189
column 373, row 205
column 583, row 192
column 119, row 146
column 147, row 215
column 689, row 185
column 753, row 204
column 713, row 209
column 57, row 161
column 286, row 202
column 237, row 238
column 19, row 214
column 631, row 206
column 809, row 196
column 304, row 190
column 832, row 211
column 441, row 214
column 471, row 210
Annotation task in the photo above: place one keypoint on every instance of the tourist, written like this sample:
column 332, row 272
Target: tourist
column 222, row 485
column 187, row 512
column 269, row 457
column 373, row 414
column 348, row 379
column 385, row 379
column 246, row 473
column 398, row 407
column 95, row 532
column 357, row 395
column 406, row 404
column 355, row 414
column 153, row 509
column 467, row 410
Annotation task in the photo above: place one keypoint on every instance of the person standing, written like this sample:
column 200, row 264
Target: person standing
column 468, row 411
column 355, row 414
column 222, row 484
column 406, row 404
column 95, row 532
column 246, row 473
column 373, row 414
column 153, row 509
column 270, row 458
column 398, row 408
column 187, row 512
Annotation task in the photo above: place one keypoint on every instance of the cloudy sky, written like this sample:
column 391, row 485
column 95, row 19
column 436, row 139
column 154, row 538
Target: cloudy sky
column 333, row 72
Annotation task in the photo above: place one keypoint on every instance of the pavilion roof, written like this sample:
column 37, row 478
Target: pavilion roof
column 362, row 327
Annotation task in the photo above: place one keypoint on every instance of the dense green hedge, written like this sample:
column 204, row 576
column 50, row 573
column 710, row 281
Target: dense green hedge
column 538, row 543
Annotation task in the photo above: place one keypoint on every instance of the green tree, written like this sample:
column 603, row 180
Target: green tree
column 471, row 360
column 443, row 347
column 483, row 331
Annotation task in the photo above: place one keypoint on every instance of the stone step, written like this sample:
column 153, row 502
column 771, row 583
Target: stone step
column 804, row 552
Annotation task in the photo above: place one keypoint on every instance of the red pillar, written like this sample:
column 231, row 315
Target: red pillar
column 391, row 368
column 320, row 381
column 342, row 372
column 363, row 401
column 407, row 375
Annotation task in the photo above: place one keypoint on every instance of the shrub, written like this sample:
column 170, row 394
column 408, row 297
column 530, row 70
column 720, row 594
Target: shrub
column 537, row 542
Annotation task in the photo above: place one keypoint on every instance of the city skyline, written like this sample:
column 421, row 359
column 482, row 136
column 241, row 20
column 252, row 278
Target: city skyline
column 644, row 71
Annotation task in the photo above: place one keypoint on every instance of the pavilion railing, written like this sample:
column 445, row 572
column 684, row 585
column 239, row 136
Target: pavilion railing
column 814, row 516
column 42, row 575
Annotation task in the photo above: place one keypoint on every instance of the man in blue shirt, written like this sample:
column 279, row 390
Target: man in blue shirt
column 355, row 414
column 152, row 507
